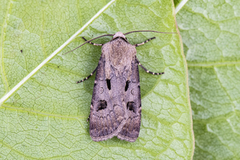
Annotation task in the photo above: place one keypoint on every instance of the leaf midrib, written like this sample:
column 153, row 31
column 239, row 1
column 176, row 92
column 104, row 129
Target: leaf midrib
column 45, row 61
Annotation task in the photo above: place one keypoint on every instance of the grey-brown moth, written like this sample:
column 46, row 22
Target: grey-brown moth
column 116, row 100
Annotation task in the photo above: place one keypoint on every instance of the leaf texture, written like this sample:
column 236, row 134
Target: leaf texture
column 46, row 117
column 210, row 32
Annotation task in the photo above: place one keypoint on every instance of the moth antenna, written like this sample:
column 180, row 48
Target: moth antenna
column 89, row 41
column 145, row 69
column 150, row 31
column 95, row 44
column 136, row 45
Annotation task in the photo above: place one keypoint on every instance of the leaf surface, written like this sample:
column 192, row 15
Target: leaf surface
column 47, row 116
column 210, row 32
column 176, row 2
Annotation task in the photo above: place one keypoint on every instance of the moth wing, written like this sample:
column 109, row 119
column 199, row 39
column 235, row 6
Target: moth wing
column 106, row 118
column 130, row 130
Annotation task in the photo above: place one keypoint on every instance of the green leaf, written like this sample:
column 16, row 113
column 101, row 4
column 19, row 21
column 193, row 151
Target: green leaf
column 210, row 32
column 179, row 4
column 176, row 2
column 46, row 117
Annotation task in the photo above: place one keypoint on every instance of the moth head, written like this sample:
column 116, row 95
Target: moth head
column 119, row 35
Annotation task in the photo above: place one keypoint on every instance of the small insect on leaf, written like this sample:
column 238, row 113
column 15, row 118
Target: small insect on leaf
column 116, row 101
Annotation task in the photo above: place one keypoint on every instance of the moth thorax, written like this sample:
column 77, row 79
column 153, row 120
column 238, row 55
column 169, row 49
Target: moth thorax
column 119, row 34
column 119, row 52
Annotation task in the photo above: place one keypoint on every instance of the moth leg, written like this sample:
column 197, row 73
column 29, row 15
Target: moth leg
column 95, row 44
column 139, row 44
column 148, row 70
column 87, row 76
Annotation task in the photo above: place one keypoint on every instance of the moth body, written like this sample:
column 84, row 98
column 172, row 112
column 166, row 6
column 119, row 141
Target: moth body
column 116, row 101
column 116, row 96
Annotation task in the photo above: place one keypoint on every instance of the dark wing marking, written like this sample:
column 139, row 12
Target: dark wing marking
column 130, row 130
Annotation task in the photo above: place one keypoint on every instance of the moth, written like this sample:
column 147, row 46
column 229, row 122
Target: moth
column 116, row 100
